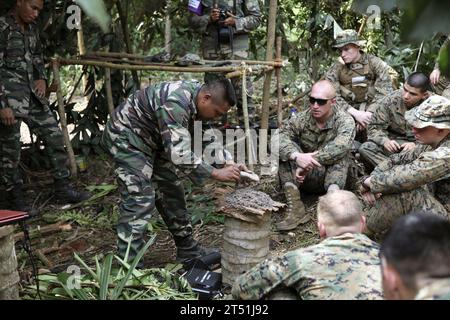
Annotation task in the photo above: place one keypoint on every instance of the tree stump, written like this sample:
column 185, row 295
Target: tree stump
column 247, row 231
column 9, row 277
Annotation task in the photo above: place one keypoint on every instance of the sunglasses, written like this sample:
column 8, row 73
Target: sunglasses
column 320, row 102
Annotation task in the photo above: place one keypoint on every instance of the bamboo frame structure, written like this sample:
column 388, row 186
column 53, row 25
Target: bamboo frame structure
column 245, row 67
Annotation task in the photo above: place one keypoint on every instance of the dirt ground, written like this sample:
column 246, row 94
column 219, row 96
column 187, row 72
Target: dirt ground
column 88, row 230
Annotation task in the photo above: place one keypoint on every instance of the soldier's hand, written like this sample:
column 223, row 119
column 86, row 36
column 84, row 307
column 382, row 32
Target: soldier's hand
column 369, row 198
column 435, row 76
column 7, row 117
column 229, row 22
column 214, row 16
column 408, row 146
column 363, row 118
column 392, row 146
column 300, row 175
column 307, row 161
column 40, row 87
column 228, row 174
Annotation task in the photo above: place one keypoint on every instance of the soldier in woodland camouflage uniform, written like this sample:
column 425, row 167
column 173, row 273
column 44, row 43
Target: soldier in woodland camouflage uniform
column 441, row 83
column 344, row 266
column 388, row 132
column 149, row 139
column 415, row 258
column 417, row 180
column 22, row 98
column 228, row 39
column 314, row 151
column 360, row 79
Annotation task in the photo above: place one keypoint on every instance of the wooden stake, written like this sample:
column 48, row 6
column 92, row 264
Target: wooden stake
column 267, row 81
column 279, row 85
column 109, row 96
column 246, row 118
column 62, row 117
column 126, row 33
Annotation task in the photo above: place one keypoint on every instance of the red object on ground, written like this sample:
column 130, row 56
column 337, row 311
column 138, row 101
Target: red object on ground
column 9, row 216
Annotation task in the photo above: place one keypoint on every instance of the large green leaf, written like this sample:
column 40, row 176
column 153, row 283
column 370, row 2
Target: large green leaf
column 105, row 277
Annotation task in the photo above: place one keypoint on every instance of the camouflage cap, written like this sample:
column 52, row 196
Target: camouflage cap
column 189, row 59
column 348, row 36
column 435, row 112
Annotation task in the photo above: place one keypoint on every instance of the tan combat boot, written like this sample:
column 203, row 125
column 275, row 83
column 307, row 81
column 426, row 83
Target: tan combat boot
column 295, row 212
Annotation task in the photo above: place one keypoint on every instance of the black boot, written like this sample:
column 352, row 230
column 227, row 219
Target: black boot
column 188, row 248
column 65, row 192
column 17, row 201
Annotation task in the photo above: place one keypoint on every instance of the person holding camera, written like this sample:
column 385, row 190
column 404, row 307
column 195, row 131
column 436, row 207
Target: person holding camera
column 224, row 26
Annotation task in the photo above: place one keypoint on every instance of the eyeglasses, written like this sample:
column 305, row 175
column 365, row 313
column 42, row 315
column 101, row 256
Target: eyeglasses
column 320, row 102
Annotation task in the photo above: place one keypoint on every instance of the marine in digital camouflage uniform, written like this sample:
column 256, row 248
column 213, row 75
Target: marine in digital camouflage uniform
column 332, row 142
column 21, row 69
column 248, row 18
column 388, row 132
column 344, row 266
column 417, row 180
column 441, row 83
column 359, row 84
column 149, row 139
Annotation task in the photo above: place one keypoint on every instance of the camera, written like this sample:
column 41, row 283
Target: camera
column 222, row 15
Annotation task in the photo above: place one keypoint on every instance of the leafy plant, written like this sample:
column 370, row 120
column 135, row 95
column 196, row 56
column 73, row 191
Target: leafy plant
column 104, row 282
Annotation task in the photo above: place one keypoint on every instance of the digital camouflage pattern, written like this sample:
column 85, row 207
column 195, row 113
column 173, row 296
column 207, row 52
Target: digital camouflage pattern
column 21, row 63
column 149, row 131
column 434, row 289
column 248, row 19
column 301, row 134
column 345, row 267
column 362, row 83
column 348, row 36
column 435, row 111
column 388, row 123
column 410, row 182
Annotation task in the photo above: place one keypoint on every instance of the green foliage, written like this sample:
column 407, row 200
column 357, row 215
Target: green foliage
column 201, row 205
column 105, row 282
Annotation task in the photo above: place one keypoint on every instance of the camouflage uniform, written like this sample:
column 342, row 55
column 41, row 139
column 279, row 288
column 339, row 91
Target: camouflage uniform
column 248, row 19
column 417, row 180
column 21, row 63
column 149, row 132
column 443, row 86
column 345, row 267
column 301, row 134
column 435, row 289
column 362, row 83
column 388, row 123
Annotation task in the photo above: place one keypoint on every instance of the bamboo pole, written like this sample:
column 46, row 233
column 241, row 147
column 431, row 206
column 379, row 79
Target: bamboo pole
column 126, row 33
column 246, row 117
column 168, row 29
column 279, row 86
column 109, row 97
column 230, row 69
column 141, row 57
column 62, row 117
column 267, row 81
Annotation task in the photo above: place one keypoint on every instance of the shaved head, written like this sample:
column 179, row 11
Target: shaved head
column 339, row 209
column 323, row 88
